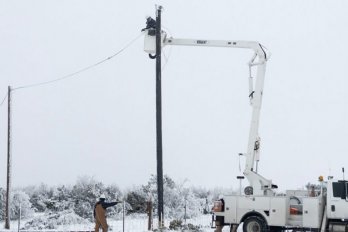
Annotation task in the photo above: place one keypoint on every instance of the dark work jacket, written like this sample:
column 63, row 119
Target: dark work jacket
column 104, row 205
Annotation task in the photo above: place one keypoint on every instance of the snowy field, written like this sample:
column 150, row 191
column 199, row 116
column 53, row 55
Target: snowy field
column 130, row 225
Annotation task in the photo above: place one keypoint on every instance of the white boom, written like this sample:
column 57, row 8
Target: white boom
column 260, row 185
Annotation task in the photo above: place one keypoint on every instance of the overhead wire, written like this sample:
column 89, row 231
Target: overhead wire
column 73, row 74
column 166, row 57
column 3, row 100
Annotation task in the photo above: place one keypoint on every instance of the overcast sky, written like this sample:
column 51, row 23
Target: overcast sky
column 101, row 123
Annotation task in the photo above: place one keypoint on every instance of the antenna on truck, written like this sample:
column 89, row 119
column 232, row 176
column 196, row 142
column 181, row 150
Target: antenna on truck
column 343, row 172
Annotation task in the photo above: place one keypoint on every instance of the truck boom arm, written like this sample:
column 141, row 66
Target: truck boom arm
column 259, row 183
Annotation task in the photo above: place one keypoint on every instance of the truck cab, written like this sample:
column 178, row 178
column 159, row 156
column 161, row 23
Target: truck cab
column 337, row 205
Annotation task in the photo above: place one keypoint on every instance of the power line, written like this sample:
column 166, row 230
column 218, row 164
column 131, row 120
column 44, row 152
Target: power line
column 79, row 71
column 3, row 100
column 166, row 58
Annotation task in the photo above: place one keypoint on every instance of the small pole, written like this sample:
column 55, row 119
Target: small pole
column 149, row 213
column 123, row 214
column 20, row 215
column 7, row 208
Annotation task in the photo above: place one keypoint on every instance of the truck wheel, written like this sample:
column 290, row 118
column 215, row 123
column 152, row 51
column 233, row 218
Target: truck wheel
column 254, row 224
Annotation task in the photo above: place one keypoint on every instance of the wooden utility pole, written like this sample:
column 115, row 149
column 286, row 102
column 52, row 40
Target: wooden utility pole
column 8, row 182
column 149, row 213
column 159, row 118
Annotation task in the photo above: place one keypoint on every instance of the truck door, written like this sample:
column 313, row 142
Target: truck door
column 337, row 204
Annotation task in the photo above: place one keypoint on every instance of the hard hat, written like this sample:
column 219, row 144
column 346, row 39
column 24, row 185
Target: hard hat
column 102, row 196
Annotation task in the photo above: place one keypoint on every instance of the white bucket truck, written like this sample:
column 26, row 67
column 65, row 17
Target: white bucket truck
column 325, row 209
column 260, row 209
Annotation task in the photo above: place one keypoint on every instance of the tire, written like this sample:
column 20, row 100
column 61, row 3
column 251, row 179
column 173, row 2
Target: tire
column 254, row 224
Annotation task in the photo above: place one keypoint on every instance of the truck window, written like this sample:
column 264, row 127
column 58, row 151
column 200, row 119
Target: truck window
column 339, row 189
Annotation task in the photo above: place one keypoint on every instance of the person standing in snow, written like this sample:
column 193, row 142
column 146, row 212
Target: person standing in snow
column 100, row 213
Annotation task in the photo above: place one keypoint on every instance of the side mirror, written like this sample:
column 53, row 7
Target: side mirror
column 346, row 188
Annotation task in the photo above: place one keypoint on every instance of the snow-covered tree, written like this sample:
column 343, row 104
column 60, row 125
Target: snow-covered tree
column 84, row 209
column 85, row 193
column 137, row 199
column 178, row 201
column 112, row 192
column 2, row 203
column 20, row 205
column 53, row 220
column 39, row 197
column 62, row 198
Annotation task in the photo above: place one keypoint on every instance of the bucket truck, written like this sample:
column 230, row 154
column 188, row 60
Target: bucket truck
column 260, row 208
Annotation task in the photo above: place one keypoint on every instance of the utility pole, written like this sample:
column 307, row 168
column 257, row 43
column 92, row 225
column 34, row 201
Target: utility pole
column 7, row 209
column 153, row 29
column 159, row 117
column 123, row 214
column 149, row 213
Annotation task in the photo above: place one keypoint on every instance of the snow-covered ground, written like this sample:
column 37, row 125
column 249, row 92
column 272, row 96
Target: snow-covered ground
column 138, row 224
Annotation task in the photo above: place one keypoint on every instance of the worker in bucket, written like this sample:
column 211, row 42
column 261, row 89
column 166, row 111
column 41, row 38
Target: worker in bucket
column 100, row 213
